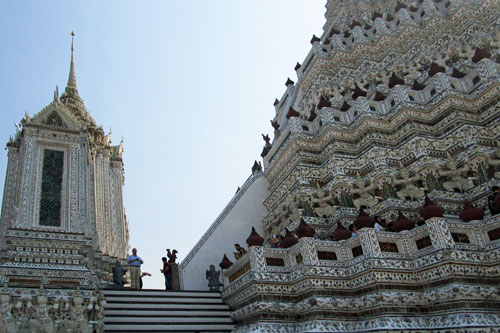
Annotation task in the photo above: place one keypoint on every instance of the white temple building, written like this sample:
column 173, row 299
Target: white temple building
column 63, row 222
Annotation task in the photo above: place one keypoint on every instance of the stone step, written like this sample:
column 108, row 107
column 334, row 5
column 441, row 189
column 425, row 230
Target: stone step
column 161, row 311
column 162, row 306
column 166, row 320
column 158, row 292
column 177, row 300
column 178, row 313
column 169, row 328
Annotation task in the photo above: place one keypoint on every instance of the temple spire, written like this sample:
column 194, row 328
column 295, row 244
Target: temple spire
column 72, row 76
column 70, row 95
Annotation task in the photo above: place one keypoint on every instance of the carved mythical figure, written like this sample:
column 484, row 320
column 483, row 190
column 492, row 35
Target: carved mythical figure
column 364, row 192
column 99, row 313
column 213, row 279
column 439, row 57
column 282, row 217
column 456, row 176
column 278, row 218
column 408, row 185
column 293, row 204
column 79, row 315
column 495, row 42
column 412, row 71
column 107, row 138
column 8, row 323
column 495, row 160
column 118, row 272
column 42, row 321
column 240, row 251
column 276, row 127
column 172, row 256
column 324, row 208
column 335, row 94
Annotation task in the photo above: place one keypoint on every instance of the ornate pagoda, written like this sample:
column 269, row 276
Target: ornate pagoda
column 395, row 114
column 63, row 222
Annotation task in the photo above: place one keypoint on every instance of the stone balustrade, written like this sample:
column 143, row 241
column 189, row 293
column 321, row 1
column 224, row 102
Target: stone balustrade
column 331, row 278
column 436, row 234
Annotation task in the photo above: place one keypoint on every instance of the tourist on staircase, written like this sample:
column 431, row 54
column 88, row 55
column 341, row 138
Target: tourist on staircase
column 135, row 263
column 168, row 273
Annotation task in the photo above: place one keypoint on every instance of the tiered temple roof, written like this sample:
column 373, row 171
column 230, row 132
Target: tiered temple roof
column 396, row 102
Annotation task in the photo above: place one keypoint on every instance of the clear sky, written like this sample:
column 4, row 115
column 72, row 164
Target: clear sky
column 189, row 85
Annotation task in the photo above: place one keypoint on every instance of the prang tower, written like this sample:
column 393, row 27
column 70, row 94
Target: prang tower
column 395, row 114
column 63, row 220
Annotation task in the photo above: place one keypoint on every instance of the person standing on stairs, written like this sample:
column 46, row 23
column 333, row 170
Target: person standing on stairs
column 135, row 263
column 168, row 274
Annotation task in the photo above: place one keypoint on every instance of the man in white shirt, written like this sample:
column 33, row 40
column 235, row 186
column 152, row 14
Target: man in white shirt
column 135, row 263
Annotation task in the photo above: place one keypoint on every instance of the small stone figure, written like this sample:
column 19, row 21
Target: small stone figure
column 276, row 127
column 257, row 166
column 240, row 251
column 42, row 321
column 409, row 189
column 495, row 160
column 118, row 272
column 293, row 206
column 322, row 201
column 456, row 176
column 213, row 279
column 171, row 256
column 8, row 322
column 364, row 192
column 78, row 314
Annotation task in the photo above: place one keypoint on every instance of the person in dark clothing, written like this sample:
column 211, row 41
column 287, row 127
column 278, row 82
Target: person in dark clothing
column 168, row 274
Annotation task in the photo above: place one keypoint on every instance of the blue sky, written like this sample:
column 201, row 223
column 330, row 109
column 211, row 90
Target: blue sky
column 190, row 86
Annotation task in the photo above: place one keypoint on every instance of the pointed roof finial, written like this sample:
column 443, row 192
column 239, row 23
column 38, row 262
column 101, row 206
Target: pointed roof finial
column 56, row 94
column 72, row 76
column 70, row 94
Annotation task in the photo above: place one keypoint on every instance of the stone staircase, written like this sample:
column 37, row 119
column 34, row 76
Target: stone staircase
column 162, row 311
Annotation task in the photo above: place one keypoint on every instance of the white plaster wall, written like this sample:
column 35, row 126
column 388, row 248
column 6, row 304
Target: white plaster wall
column 245, row 210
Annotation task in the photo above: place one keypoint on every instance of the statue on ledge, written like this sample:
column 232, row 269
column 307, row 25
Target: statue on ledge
column 293, row 206
column 213, row 279
column 118, row 272
column 78, row 314
column 408, row 185
column 240, row 251
column 42, row 321
column 172, row 256
column 8, row 322
column 494, row 160
column 365, row 198
column 324, row 208
column 456, row 181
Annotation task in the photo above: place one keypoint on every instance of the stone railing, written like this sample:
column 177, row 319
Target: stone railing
column 370, row 249
column 39, row 310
